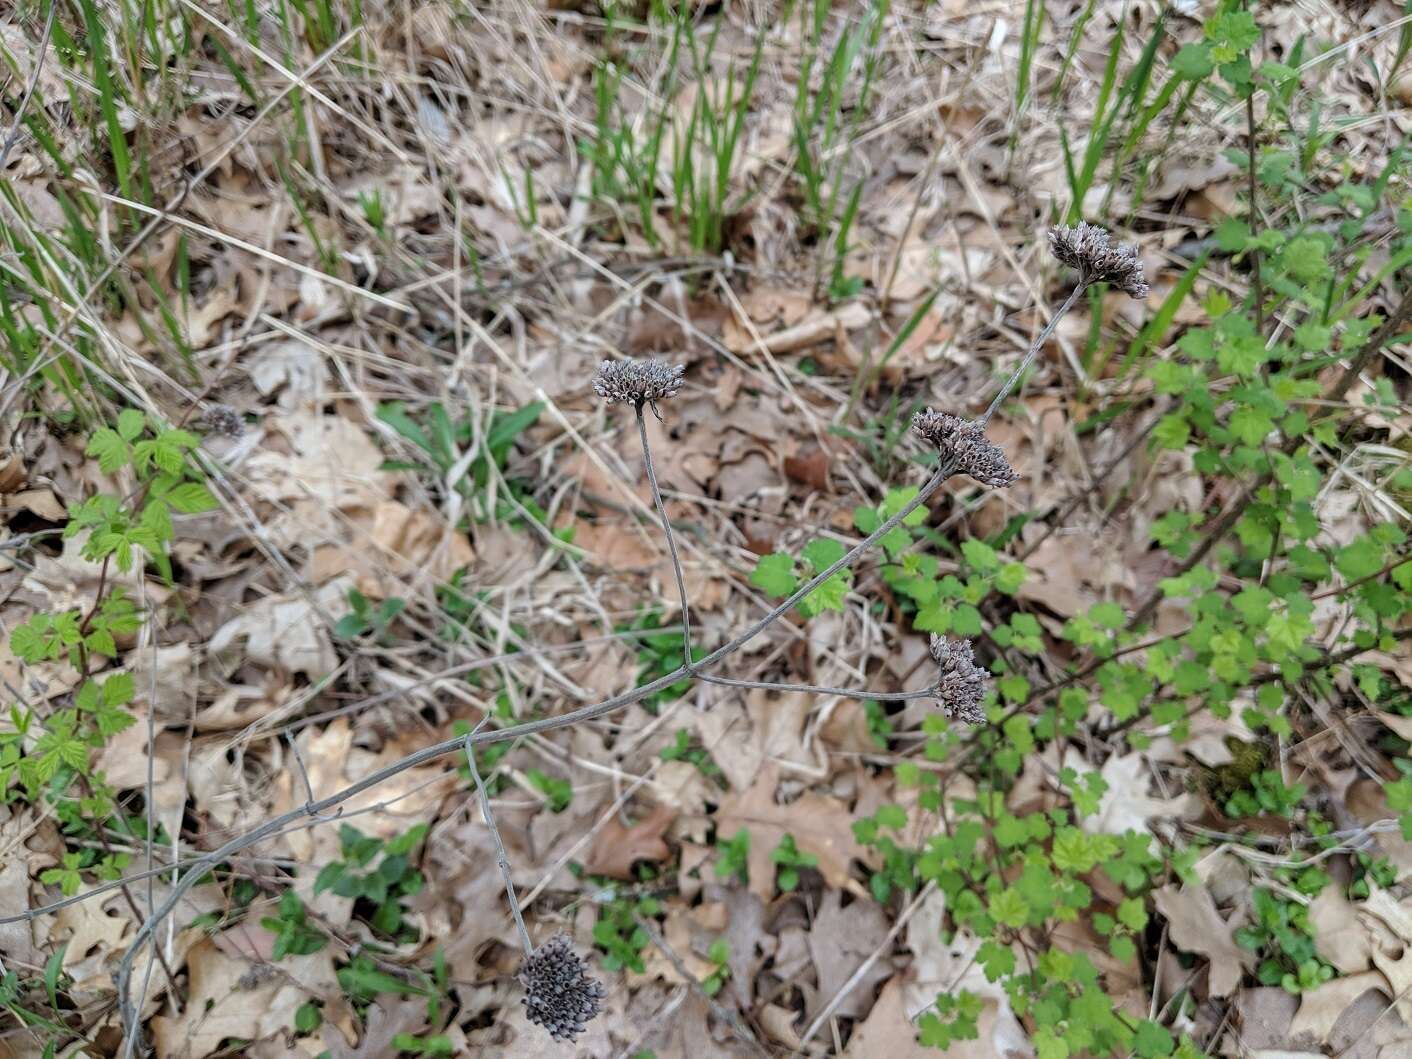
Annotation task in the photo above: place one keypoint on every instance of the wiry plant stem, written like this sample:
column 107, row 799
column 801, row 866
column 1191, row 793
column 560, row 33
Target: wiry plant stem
column 1035, row 347
column 671, row 539
column 501, row 860
column 687, row 663
column 131, row 1029
column 818, row 689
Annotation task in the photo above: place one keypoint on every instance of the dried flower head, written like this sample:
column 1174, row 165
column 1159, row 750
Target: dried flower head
column 966, row 446
column 559, row 995
column 1090, row 249
column 638, row 382
column 961, row 686
column 224, row 420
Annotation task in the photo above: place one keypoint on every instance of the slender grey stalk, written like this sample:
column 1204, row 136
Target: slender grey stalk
column 848, row 693
column 1034, row 350
column 131, row 1027
column 144, row 934
column 671, row 540
column 500, row 858
column 657, row 500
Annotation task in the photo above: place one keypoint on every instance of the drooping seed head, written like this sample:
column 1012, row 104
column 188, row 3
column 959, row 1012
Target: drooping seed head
column 965, row 445
column 559, row 994
column 638, row 382
column 1090, row 249
column 961, row 684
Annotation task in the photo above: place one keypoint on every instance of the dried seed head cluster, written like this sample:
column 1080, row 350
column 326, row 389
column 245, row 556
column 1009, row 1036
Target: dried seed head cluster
column 638, row 382
column 961, row 687
column 224, row 420
column 966, row 446
column 1090, row 249
column 559, row 995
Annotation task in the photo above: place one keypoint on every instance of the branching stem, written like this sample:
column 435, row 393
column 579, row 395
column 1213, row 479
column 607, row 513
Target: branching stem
column 1035, row 347
column 500, row 858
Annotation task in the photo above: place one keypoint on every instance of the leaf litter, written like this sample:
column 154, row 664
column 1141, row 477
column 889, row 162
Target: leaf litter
column 326, row 504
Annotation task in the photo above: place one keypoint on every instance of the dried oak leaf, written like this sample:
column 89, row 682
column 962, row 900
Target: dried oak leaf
column 820, row 824
column 1197, row 927
column 230, row 997
column 618, row 848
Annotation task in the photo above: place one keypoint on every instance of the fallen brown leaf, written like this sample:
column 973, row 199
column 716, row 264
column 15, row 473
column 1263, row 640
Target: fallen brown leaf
column 840, row 942
column 618, row 848
column 229, row 998
column 1197, row 927
column 820, row 824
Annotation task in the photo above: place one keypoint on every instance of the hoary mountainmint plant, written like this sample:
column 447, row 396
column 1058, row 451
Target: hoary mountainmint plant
column 559, row 993
column 566, row 1000
column 1010, row 879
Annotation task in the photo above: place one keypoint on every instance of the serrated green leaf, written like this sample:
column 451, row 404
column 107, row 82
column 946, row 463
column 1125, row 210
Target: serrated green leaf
column 822, row 552
column 130, row 423
column 112, row 451
column 190, row 498
column 774, row 575
column 118, row 689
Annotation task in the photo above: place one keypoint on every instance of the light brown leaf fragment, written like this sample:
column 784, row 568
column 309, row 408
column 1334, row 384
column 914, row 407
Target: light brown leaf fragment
column 1197, row 927
column 841, row 941
column 229, row 998
column 283, row 631
column 1338, row 937
column 618, row 848
column 820, row 824
column 1322, row 1007
column 887, row 1031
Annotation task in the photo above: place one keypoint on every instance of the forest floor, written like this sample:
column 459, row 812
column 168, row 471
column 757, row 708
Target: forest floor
column 385, row 248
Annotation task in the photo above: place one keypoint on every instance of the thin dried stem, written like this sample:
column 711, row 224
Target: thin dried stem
column 847, row 693
column 671, row 539
column 1035, row 347
column 940, row 475
column 501, row 860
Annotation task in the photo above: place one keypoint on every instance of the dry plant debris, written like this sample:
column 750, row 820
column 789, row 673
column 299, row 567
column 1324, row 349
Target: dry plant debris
column 321, row 513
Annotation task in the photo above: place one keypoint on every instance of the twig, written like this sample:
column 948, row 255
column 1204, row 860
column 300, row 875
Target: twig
column 847, row 693
column 671, row 540
column 1035, row 347
column 500, row 858
column 144, row 933
column 946, row 467
column 688, row 664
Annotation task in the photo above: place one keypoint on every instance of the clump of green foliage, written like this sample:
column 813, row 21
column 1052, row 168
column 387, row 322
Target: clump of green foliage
column 46, row 757
column 1247, row 404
